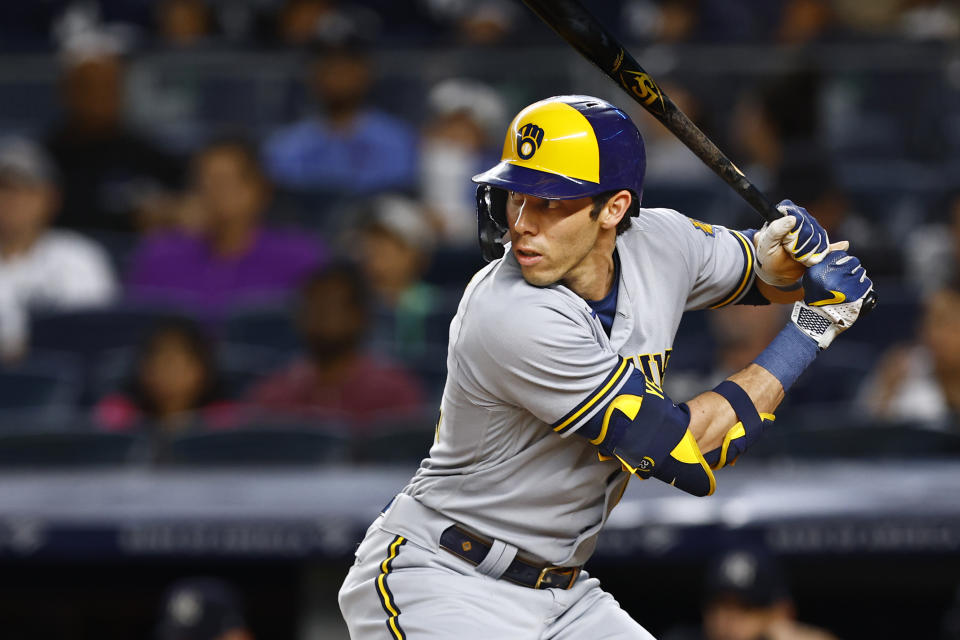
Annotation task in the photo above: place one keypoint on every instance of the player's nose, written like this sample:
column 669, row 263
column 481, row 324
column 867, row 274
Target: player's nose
column 526, row 221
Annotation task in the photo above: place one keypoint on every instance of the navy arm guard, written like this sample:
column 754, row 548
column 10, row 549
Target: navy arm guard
column 648, row 434
column 742, row 435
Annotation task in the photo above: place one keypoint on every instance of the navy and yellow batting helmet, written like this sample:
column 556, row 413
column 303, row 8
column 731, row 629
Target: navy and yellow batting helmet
column 560, row 148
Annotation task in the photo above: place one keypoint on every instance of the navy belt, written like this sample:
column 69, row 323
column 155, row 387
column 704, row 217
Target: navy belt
column 473, row 549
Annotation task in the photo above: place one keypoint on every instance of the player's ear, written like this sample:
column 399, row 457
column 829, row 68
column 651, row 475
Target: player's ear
column 616, row 207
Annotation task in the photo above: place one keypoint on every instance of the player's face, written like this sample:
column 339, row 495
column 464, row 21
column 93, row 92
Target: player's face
column 551, row 238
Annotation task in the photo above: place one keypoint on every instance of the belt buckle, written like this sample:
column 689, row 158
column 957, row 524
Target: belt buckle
column 573, row 571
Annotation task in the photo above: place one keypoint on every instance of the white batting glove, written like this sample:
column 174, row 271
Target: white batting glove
column 769, row 244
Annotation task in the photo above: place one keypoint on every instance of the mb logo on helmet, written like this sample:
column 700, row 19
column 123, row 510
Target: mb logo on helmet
column 561, row 148
column 529, row 140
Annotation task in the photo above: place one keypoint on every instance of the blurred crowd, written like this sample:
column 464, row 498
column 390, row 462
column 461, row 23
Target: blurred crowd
column 229, row 271
column 281, row 23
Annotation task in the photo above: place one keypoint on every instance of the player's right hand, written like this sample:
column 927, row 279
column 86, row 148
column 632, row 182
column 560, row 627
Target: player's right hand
column 833, row 295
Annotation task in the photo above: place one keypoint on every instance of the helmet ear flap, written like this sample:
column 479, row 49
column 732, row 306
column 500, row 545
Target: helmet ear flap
column 491, row 220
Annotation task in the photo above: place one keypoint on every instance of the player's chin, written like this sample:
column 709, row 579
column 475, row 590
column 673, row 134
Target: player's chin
column 538, row 276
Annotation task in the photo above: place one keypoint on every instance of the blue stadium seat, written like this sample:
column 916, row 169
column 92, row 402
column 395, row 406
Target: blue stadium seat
column 90, row 333
column 269, row 326
column 829, row 434
column 268, row 445
column 52, row 449
column 240, row 365
column 44, row 388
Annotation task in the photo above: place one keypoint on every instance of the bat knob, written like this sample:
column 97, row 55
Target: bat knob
column 869, row 303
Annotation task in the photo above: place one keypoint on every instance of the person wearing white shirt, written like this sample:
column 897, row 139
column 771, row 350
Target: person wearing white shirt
column 41, row 268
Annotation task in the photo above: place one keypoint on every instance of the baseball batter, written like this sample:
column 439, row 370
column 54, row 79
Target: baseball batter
column 553, row 398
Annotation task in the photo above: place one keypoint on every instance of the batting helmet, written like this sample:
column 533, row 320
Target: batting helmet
column 560, row 148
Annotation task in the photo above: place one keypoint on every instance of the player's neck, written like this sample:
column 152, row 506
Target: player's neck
column 592, row 278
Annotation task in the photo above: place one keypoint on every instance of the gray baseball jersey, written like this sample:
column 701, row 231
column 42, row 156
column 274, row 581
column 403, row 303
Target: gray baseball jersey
column 527, row 363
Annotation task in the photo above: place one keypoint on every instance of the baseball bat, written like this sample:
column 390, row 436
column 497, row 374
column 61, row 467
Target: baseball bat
column 583, row 32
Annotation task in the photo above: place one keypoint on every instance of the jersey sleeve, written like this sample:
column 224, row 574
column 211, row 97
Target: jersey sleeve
column 542, row 358
column 720, row 261
column 723, row 263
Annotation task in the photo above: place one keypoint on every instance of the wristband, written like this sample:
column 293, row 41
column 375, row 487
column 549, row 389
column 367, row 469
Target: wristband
column 788, row 355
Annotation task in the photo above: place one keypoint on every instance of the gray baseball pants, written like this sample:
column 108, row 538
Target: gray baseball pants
column 403, row 586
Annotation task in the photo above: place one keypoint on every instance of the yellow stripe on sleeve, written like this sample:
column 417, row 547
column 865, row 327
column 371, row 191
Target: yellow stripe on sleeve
column 747, row 273
column 592, row 401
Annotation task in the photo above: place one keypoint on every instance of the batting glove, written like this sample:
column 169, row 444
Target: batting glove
column 807, row 241
column 833, row 294
column 799, row 234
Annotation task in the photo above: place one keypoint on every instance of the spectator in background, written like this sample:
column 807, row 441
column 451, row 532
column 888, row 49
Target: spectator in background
column 350, row 147
column 202, row 609
column 396, row 242
column 921, row 382
column 930, row 20
column 182, row 24
column 669, row 21
column 174, row 386
column 235, row 259
column 481, row 22
column 300, row 23
column 337, row 376
column 299, row 20
column 40, row 268
column 669, row 161
column 746, row 597
column 779, row 121
column 805, row 21
column 108, row 171
column 461, row 136
column 932, row 252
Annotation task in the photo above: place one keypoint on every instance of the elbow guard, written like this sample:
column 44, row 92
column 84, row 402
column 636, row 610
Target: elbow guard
column 648, row 434
column 742, row 435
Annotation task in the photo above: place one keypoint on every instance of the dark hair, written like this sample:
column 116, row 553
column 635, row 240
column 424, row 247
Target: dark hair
column 601, row 199
column 239, row 145
column 343, row 271
column 197, row 342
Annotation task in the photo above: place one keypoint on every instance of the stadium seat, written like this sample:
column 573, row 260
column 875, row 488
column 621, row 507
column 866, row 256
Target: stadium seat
column 398, row 440
column 51, row 449
column 89, row 333
column 45, row 387
column 240, row 365
column 264, row 326
column 829, row 432
column 266, row 446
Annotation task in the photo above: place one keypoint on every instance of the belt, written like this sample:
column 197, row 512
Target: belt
column 473, row 549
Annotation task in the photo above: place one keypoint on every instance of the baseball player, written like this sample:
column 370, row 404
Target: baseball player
column 553, row 399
